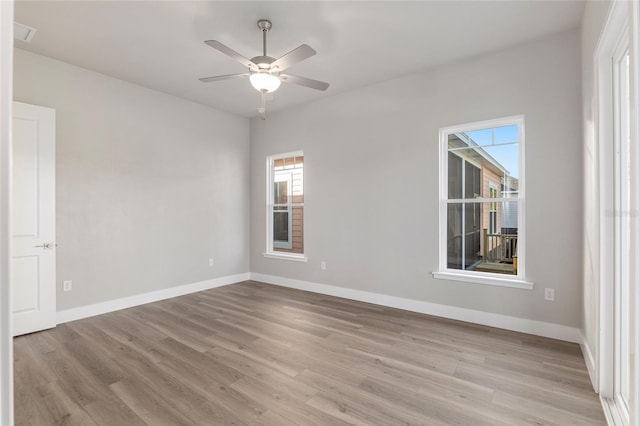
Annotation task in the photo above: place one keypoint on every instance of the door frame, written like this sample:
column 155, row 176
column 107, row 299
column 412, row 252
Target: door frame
column 634, row 49
column 6, row 117
column 623, row 16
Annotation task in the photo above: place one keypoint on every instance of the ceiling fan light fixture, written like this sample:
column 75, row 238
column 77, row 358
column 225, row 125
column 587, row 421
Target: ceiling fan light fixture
column 264, row 72
column 264, row 82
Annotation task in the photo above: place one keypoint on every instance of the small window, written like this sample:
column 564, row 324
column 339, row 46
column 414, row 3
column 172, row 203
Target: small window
column 482, row 191
column 285, row 209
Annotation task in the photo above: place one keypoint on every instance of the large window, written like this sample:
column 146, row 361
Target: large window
column 285, row 206
column 481, row 197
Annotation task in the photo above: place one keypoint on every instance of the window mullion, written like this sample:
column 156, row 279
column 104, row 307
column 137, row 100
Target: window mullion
column 483, row 200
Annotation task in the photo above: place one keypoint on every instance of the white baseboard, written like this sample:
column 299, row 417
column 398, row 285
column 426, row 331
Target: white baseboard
column 590, row 361
column 141, row 299
column 538, row 328
column 612, row 413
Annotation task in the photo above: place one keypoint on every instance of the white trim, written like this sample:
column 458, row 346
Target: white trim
column 299, row 153
column 622, row 202
column 483, row 278
column 590, row 361
column 141, row 299
column 634, row 38
column 6, row 98
column 286, row 256
column 617, row 21
column 483, row 200
column 611, row 414
column 523, row 325
column 484, row 124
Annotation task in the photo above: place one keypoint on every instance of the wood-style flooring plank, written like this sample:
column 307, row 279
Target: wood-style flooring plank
column 257, row 354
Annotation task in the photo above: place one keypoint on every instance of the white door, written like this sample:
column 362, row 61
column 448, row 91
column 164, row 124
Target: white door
column 33, row 258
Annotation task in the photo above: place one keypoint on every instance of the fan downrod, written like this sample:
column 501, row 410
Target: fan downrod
column 264, row 60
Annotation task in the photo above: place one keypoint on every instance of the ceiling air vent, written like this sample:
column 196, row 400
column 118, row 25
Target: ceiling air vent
column 22, row 32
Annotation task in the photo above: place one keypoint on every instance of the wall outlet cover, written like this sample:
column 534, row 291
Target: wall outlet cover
column 549, row 294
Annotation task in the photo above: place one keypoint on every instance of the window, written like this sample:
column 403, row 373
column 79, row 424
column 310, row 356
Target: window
column 282, row 226
column 482, row 191
column 285, row 206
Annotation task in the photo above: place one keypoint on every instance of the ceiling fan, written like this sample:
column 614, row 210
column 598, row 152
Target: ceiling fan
column 265, row 72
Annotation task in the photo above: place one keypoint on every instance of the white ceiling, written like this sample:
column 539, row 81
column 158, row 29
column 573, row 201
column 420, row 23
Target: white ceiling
column 159, row 44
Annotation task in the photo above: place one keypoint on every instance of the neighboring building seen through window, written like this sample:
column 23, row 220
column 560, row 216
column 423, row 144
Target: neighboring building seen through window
column 286, row 205
column 493, row 209
column 481, row 197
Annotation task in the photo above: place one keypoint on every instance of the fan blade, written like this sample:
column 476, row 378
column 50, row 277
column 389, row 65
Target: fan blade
column 302, row 81
column 231, row 53
column 298, row 54
column 223, row 77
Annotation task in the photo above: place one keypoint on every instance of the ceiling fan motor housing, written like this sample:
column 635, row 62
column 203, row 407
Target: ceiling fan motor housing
column 263, row 62
column 264, row 24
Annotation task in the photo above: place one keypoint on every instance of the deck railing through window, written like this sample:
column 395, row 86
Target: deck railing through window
column 500, row 247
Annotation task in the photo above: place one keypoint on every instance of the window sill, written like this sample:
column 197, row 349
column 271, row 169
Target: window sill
column 284, row 256
column 487, row 280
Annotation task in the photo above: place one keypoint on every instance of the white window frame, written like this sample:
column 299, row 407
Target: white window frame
column 516, row 281
column 270, row 252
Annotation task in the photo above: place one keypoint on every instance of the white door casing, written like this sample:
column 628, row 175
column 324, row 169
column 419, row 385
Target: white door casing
column 33, row 256
column 617, row 179
column 6, row 85
column 622, row 221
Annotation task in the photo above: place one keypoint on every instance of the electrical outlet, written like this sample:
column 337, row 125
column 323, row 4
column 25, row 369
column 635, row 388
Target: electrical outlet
column 67, row 285
column 323, row 265
column 210, row 262
column 550, row 294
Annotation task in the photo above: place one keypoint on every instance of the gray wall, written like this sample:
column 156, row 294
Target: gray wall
column 371, row 179
column 149, row 186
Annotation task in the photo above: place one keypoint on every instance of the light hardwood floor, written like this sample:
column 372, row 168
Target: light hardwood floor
column 257, row 354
